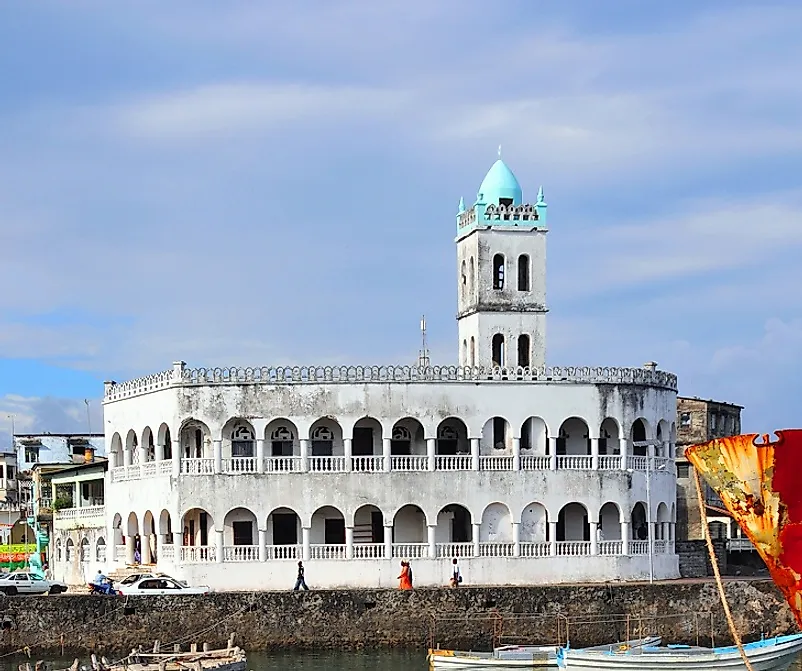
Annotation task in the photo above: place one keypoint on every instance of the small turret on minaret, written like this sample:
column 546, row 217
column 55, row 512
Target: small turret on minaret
column 423, row 353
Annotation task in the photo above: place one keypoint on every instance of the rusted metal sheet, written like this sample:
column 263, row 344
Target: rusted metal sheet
column 760, row 483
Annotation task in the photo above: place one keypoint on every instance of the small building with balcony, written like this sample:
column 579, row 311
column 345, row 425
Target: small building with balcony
column 527, row 473
column 78, row 543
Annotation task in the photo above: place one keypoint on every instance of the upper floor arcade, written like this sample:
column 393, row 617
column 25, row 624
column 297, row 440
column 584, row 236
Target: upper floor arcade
column 370, row 444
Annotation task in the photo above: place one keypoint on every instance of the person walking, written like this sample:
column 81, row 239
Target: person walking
column 456, row 576
column 405, row 579
column 300, row 581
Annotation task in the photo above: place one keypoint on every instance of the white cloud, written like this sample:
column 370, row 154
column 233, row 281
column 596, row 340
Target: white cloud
column 47, row 414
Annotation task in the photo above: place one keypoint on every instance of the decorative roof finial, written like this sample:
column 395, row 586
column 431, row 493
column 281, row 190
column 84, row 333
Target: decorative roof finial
column 461, row 205
column 499, row 151
column 540, row 197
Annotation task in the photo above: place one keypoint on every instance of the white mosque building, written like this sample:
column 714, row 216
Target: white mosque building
column 526, row 473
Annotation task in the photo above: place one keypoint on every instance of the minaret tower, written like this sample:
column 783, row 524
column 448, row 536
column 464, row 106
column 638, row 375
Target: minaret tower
column 501, row 275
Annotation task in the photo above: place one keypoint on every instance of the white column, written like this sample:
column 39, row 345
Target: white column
column 553, row 455
column 348, row 453
column 431, row 534
column 625, row 538
column 144, row 541
column 475, row 454
column 553, row 538
column 176, row 458
column 143, row 456
column 594, row 454
column 349, row 542
column 304, row 443
column 130, row 546
column 159, row 546
column 260, row 455
column 113, row 460
column 307, row 550
column 388, row 541
column 126, row 456
column 262, row 544
column 178, row 540
column 516, row 454
column 594, row 537
column 159, row 456
column 431, row 453
column 218, row 543
column 623, row 446
column 387, row 444
column 516, row 539
column 217, row 446
column 475, row 529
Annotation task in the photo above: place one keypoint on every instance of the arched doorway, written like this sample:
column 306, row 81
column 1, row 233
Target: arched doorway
column 240, row 536
column 284, row 534
column 327, row 534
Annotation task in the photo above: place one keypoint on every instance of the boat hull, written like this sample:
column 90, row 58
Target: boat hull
column 456, row 659
column 771, row 655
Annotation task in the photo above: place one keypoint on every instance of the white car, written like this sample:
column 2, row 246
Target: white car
column 22, row 582
column 158, row 585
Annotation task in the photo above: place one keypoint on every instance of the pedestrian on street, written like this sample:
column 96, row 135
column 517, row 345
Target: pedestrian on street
column 300, row 580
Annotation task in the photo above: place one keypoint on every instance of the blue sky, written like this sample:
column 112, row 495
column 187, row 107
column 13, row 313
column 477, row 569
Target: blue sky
column 248, row 183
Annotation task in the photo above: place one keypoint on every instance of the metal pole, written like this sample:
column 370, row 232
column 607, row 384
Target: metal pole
column 649, row 514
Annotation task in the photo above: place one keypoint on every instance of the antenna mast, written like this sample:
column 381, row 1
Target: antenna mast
column 423, row 354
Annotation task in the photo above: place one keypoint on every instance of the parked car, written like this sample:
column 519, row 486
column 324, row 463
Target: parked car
column 134, row 577
column 159, row 585
column 22, row 582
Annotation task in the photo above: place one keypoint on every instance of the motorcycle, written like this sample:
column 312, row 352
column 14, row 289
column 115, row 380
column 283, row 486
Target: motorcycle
column 106, row 589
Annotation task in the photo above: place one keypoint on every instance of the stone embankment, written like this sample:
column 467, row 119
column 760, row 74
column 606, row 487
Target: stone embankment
column 681, row 611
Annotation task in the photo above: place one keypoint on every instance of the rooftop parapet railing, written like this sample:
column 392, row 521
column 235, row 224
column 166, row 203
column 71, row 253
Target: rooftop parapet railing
column 181, row 376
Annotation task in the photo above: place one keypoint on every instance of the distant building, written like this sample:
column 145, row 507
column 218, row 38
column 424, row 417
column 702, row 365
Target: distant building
column 13, row 529
column 52, row 448
column 698, row 421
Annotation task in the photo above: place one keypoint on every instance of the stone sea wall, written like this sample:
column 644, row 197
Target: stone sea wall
column 464, row 617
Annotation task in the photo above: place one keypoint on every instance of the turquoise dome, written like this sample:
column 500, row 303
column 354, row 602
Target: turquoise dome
column 499, row 182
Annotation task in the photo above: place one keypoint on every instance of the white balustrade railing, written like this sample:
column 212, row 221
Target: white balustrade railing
column 453, row 462
column 637, row 463
column 149, row 469
column 80, row 513
column 541, row 549
column 611, row 548
column 410, row 550
column 740, row 545
column 119, row 553
column 535, row 462
column 233, row 465
column 241, row 553
column 496, row 549
column 409, row 462
column 573, row 548
column 198, row 554
column 165, row 467
column 284, row 551
column 283, row 465
column 609, row 462
column 118, row 474
column 660, row 547
column 327, row 464
column 203, row 466
column 168, row 552
column 574, row 462
column 132, row 472
column 638, row 547
column 368, row 550
column 661, row 465
column 367, row 464
column 327, row 551
column 450, row 550
column 497, row 462
column 101, row 553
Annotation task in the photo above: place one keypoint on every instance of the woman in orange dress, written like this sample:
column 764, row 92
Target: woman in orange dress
column 405, row 579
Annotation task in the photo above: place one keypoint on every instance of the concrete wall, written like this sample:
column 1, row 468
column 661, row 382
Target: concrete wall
column 375, row 618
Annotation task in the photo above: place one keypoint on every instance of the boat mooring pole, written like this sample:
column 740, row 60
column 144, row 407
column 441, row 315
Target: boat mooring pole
column 649, row 524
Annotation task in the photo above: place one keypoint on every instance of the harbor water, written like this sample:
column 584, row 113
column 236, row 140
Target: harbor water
column 309, row 661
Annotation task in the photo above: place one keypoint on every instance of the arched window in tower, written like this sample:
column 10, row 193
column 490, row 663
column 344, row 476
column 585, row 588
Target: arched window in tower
column 523, row 272
column 498, row 271
column 473, row 351
column 523, row 351
column 465, row 352
column 463, row 280
column 499, row 355
column 242, row 440
column 470, row 276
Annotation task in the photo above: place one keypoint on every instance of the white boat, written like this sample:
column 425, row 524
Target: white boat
column 768, row 654
column 515, row 656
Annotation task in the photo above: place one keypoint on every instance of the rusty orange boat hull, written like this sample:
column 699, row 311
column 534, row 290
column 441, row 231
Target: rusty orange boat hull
column 760, row 484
